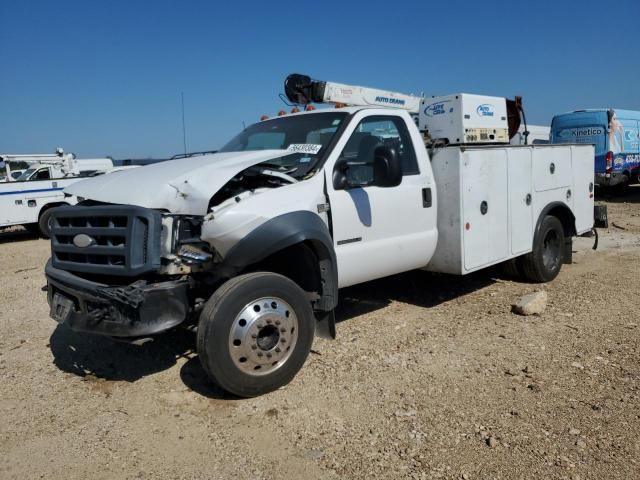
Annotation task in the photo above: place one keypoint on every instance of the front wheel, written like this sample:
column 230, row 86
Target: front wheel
column 44, row 223
column 255, row 333
column 544, row 262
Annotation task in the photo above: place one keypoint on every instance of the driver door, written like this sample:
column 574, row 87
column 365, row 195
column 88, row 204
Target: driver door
column 380, row 231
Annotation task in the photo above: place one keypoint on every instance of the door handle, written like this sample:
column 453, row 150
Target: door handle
column 426, row 198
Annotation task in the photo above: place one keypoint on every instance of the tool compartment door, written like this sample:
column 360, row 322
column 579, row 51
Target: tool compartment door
column 485, row 208
column 551, row 168
column 583, row 186
column 520, row 200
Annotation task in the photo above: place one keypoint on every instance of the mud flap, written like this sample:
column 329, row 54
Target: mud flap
column 326, row 325
column 568, row 251
column 600, row 216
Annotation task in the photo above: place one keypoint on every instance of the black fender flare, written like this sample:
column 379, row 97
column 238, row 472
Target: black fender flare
column 569, row 216
column 284, row 231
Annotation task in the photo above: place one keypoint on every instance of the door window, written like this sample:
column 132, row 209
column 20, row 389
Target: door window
column 42, row 175
column 371, row 133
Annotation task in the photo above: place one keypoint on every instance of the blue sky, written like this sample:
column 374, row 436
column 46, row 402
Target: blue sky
column 105, row 78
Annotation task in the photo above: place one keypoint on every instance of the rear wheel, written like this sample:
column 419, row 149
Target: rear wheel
column 255, row 333
column 544, row 262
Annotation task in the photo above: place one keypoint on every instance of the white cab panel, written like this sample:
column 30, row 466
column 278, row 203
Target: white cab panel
column 382, row 231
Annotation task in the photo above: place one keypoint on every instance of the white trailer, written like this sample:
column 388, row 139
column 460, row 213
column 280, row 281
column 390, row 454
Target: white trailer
column 28, row 200
column 254, row 242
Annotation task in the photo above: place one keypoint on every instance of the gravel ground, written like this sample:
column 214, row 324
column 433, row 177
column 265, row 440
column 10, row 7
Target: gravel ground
column 431, row 377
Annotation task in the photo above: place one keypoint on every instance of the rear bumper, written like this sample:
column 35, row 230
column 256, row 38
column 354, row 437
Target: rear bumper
column 610, row 180
column 135, row 310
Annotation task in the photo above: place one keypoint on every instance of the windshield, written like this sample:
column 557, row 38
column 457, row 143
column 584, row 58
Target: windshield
column 26, row 174
column 307, row 135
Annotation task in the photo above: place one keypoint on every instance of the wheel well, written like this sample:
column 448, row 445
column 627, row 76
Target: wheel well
column 297, row 262
column 566, row 217
column 49, row 206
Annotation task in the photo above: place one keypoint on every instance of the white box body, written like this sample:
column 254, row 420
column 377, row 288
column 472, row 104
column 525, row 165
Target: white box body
column 490, row 199
column 465, row 118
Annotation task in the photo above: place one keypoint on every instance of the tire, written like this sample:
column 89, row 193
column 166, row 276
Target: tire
column 255, row 333
column 43, row 223
column 32, row 228
column 545, row 261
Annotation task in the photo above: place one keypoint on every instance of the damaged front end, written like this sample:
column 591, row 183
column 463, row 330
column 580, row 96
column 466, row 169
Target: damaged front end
column 140, row 309
column 129, row 271
column 132, row 271
column 122, row 270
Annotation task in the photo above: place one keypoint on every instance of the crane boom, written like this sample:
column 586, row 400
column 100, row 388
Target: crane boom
column 301, row 89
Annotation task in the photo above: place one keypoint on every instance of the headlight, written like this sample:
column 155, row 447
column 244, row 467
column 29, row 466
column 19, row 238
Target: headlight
column 193, row 254
column 185, row 239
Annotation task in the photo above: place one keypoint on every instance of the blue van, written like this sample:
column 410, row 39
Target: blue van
column 616, row 136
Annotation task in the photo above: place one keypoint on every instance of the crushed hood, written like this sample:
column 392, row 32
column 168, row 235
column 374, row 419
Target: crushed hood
column 179, row 186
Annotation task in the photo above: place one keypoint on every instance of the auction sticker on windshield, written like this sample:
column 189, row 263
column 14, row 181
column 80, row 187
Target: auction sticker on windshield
column 311, row 148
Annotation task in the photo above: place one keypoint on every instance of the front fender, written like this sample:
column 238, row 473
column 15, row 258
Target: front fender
column 284, row 231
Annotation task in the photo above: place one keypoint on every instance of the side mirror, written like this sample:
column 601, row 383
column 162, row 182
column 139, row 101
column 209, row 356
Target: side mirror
column 340, row 180
column 387, row 169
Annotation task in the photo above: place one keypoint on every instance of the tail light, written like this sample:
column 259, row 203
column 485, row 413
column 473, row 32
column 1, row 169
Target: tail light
column 608, row 163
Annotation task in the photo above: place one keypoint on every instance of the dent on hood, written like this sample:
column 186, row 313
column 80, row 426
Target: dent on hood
column 183, row 186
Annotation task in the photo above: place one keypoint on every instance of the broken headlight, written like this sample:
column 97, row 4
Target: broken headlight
column 187, row 244
column 193, row 254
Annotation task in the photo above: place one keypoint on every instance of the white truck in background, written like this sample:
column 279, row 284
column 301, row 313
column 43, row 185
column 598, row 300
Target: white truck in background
column 12, row 177
column 535, row 135
column 254, row 242
column 28, row 199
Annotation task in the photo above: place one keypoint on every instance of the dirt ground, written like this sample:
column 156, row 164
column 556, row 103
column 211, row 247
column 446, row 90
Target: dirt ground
column 430, row 377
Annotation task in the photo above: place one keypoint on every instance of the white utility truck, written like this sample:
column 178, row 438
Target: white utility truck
column 28, row 199
column 254, row 242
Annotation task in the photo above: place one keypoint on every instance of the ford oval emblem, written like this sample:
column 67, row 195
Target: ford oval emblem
column 83, row 241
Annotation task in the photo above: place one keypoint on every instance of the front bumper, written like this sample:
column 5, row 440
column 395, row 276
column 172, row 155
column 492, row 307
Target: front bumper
column 138, row 309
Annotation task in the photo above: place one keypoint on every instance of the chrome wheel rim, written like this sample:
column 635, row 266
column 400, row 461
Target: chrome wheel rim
column 263, row 336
